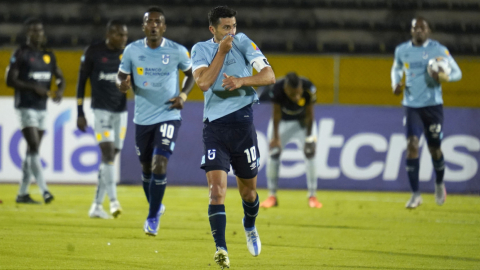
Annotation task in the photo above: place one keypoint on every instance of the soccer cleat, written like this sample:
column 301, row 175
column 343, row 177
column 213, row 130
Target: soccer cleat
column 254, row 244
column 440, row 193
column 314, row 203
column 221, row 258
column 26, row 199
column 269, row 202
column 414, row 202
column 115, row 209
column 152, row 224
column 96, row 211
column 47, row 197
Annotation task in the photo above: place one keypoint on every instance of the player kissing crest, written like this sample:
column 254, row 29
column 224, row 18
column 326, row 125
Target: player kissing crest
column 165, row 58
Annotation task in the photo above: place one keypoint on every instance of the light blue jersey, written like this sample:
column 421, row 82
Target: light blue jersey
column 154, row 75
column 238, row 63
column 421, row 90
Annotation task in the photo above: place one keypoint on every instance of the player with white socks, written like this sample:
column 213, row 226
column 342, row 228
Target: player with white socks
column 293, row 99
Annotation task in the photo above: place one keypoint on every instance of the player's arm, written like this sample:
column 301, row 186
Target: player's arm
column 455, row 73
column 14, row 81
column 275, row 143
column 123, row 82
column 86, row 67
column 396, row 74
column 310, row 140
column 205, row 76
column 188, row 81
column 265, row 76
column 60, row 82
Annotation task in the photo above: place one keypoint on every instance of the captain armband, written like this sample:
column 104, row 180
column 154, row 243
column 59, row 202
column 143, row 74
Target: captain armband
column 260, row 63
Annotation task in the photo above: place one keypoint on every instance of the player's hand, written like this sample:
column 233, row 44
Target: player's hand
column 82, row 123
column 56, row 96
column 275, row 148
column 177, row 103
column 442, row 77
column 41, row 91
column 397, row 90
column 231, row 83
column 309, row 149
column 225, row 44
column 125, row 85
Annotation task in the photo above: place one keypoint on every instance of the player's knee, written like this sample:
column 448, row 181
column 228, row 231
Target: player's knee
column 159, row 164
column 248, row 195
column 108, row 157
column 435, row 151
column 412, row 145
column 146, row 167
column 33, row 148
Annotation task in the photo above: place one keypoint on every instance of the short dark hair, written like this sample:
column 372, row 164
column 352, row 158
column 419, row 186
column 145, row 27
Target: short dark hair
column 32, row 21
column 114, row 22
column 155, row 9
column 420, row 18
column 220, row 12
column 292, row 79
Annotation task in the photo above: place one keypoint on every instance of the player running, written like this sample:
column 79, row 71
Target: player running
column 423, row 103
column 31, row 72
column 100, row 64
column 152, row 65
column 222, row 67
column 292, row 120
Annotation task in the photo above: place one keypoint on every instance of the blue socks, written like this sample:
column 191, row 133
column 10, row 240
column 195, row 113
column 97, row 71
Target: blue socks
column 218, row 222
column 146, row 177
column 251, row 211
column 439, row 166
column 157, row 189
column 413, row 168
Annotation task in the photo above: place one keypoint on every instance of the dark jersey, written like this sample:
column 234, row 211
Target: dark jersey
column 290, row 109
column 36, row 67
column 100, row 65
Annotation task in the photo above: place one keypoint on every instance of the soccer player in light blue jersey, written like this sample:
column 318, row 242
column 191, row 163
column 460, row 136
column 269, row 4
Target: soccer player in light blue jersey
column 222, row 67
column 152, row 65
column 423, row 103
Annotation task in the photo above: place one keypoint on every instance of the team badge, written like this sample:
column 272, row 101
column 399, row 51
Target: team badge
column 140, row 71
column 165, row 58
column 46, row 59
column 301, row 102
column 425, row 55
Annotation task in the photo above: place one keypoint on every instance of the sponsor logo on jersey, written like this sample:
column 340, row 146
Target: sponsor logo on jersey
column 46, row 59
column 165, row 58
column 104, row 59
column 418, row 64
column 406, row 65
column 140, row 71
column 231, row 61
column 107, row 76
column 40, row 75
column 145, row 83
column 301, row 102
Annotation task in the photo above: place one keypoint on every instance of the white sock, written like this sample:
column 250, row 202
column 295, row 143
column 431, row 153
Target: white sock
column 101, row 190
column 27, row 174
column 110, row 185
column 37, row 170
column 311, row 177
column 273, row 167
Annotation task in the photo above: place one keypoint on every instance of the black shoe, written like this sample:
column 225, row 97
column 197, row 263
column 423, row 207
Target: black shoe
column 26, row 199
column 47, row 197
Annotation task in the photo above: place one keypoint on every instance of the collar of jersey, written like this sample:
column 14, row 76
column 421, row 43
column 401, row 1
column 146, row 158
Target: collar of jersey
column 161, row 45
column 425, row 44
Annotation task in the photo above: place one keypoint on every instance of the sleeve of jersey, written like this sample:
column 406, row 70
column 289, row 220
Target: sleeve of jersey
column 126, row 63
column 397, row 72
column 456, row 73
column 85, row 71
column 185, row 61
column 313, row 93
column 15, row 59
column 251, row 52
column 198, row 58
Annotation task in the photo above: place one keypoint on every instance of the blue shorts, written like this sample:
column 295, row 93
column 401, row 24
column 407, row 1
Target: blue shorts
column 428, row 120
column 236, row 145
column 156, row 139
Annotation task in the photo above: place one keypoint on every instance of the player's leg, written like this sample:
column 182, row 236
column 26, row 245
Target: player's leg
column 144, row 136
column 311, row 168
column 433, row 120
column 414, row 129
column 216, row 163
column 245, row 163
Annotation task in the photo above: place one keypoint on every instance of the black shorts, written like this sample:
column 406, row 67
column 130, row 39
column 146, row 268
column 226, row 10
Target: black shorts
column 236, row 145
column 156, row 139
column 428, row 120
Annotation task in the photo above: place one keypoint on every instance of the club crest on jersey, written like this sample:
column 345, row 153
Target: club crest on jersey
column 211, row 154
column 425, row 55
column 46, row 59
column 165, row 58
column 301, row 102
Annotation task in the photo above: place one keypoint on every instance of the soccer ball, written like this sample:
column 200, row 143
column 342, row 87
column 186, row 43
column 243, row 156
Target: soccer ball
column 439, row 64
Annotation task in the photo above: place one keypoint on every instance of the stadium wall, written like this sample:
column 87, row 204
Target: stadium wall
column 359, row 148
column 354, row 80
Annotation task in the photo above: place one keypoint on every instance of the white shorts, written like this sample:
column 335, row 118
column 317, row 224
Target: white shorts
column 110, row 126
column 291, row 131
column 32, row 118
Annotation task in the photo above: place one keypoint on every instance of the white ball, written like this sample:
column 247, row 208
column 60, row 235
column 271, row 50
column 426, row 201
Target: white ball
column 439, row 64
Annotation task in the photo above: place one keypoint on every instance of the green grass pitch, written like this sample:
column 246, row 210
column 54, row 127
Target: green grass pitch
column 353, row 230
